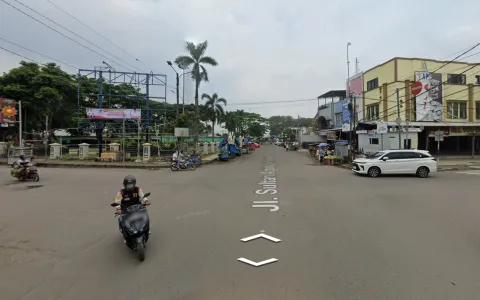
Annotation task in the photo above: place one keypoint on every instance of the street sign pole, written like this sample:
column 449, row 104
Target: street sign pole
column 438, row 138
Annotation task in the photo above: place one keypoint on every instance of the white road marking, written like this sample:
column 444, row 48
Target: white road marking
column 469, row 173
column 261, row 235
column 257, row 264
column 194, row 214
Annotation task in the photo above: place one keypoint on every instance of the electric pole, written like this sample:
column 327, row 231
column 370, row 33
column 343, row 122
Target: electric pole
column 399, row 121
column 178, row 92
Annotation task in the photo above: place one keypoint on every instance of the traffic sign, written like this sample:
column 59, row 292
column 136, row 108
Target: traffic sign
column 439, row 136
column 416, row 88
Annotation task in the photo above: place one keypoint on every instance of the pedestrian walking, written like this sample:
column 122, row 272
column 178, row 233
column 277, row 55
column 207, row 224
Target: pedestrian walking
column 321, row 155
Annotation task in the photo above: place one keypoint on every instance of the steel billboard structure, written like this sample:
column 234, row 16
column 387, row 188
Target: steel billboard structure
column 154, row 86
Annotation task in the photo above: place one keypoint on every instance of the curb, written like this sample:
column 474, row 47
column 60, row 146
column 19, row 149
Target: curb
column 95, row 166
column 439, row 169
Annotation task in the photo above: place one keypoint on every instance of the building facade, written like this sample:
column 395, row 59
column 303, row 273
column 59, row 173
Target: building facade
column 427, row 96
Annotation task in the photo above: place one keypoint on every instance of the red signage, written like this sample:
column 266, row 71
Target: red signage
column 417, row 88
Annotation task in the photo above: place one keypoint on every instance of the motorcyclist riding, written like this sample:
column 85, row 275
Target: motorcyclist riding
column 178, row 157
column 131, row 194
column 22, row 163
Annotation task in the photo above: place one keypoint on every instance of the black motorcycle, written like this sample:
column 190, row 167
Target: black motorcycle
column 135, row 227
column 29, row 173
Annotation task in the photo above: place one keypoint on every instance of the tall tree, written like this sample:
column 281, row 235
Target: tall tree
column 215, row 107
column 197, row 59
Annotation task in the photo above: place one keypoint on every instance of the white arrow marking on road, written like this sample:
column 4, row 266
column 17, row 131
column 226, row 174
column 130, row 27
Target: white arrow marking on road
column 261, row 235
column 257, row 264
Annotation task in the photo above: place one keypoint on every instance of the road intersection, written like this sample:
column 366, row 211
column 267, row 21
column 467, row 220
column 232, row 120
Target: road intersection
column 267, row 225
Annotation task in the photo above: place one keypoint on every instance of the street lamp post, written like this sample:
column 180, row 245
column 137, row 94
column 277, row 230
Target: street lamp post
column 348, row 97
column 178, row 84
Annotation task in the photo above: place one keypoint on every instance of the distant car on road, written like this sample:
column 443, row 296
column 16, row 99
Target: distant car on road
column 418, row 162
column 256, row 145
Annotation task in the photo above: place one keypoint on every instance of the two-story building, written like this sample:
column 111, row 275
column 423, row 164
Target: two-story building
column 425, row 96
column 329, row 115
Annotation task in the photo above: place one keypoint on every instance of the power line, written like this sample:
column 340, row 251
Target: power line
column 86, row 47
column 445, row 64
column 14, row 53
column 63, row 27
column 96, row 32
column 63, row 63
column 426, row 91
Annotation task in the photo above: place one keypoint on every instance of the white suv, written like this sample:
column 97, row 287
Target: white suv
column 417, row 162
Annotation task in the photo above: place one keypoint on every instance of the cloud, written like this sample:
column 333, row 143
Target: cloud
column 268, row 51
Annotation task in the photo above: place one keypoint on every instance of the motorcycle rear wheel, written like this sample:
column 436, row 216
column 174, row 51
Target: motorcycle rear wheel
column 141, row 251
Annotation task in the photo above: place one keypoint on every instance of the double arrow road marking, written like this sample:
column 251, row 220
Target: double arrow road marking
column 260, row 263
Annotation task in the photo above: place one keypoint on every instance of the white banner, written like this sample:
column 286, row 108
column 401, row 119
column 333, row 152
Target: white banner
column 429, row 102
column 113, row 114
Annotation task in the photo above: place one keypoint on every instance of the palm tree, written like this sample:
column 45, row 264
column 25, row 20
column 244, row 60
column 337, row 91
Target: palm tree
column 196, row 58
column 216, row 112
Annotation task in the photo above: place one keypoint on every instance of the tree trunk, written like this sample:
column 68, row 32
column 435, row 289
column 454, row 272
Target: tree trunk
column 197, row 109
column 213, row 131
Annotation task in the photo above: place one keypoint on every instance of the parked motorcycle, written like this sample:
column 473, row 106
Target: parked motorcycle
column 135, row 227
column 30, row 172
column 188, row 165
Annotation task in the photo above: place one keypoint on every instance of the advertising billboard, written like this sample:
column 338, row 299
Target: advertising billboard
column 355, row 85
column 113, row 114
column 346, row 116
column 8, row 112
column 429, row 98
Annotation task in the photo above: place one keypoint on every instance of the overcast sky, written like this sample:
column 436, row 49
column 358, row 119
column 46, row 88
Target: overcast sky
column 268, row 51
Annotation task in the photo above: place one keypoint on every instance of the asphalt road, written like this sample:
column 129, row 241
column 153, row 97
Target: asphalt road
column 342, row 236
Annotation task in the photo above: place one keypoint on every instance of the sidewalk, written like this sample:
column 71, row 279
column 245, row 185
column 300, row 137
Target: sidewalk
column 127, row 165
column 448, row 163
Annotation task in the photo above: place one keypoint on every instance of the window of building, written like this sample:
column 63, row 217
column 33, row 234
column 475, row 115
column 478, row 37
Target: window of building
column 457, row 110
column 338, row 119
column 457, row 78
column 477, row 79
column 372, row 84
column 477, row 110
column 373, row 141
column 373, row 112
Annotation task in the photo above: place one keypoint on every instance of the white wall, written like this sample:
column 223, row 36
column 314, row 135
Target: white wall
column 390, row 141
column 311, row 138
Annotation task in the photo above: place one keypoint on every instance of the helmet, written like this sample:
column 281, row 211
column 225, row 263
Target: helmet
column 129, row 182
column 22, row 156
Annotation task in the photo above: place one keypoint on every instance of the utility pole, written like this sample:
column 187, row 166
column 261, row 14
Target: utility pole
column 123, row 136
column 399, row 121
column 46, row 137
column 356, row 66
column 178, row 92
column 473, row 141
column 348, row 97
column 406, row 134
column 20, row 128
column 183, row 92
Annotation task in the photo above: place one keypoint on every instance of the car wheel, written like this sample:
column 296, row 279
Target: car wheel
column 374, row 172
column 423, row 172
